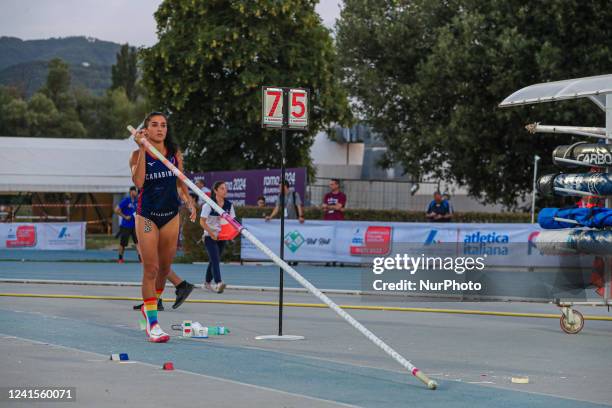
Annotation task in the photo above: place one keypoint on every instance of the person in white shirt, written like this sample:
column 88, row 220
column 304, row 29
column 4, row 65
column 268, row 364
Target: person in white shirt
column 216, row 235
column 205, row 190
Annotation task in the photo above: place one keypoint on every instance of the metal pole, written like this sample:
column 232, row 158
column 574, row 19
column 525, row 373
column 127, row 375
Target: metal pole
column 608, row 260
column 67, row 204
column 282, row 234
column 578, row 130
column 536, row 159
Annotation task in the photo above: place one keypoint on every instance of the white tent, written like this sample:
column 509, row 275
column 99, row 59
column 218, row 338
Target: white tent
column 31, row 164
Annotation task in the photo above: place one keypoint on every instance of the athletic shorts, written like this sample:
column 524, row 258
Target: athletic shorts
column 125, row 233
column 160, row 217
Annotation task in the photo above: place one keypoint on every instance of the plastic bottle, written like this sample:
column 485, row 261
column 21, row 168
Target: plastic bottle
column 199, row 331
column 217, row 330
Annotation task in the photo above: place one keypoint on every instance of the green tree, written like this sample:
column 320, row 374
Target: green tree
column 210, row 63
column 428, row 77
column 57, row 87
column 106, row 116
column 125, row 72
column 6, row 97
column 59, row 111
column 89, row 109
column 43, row 117
column 14, row 114
column 58, row 91
column 118, row 112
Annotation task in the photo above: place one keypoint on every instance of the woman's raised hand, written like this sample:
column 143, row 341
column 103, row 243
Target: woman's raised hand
column 140, row 136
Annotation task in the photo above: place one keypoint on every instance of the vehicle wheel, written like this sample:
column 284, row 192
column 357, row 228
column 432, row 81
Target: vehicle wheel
column 576, row 326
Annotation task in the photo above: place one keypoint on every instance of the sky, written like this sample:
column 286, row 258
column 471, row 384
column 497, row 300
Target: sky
column 119, row 21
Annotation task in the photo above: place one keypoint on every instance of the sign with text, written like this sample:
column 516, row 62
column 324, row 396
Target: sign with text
column 45, row 236
column 286, row 108
column 503, row 245
column 245, row 186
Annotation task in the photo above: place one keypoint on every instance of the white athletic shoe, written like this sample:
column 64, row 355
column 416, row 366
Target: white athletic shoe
column 157, row 335
column 220, row 287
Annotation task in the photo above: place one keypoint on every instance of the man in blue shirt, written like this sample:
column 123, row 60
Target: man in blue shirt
column 439, row 209
column 125, row 210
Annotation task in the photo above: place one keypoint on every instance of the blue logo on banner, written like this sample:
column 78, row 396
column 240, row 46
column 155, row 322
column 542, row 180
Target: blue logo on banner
column 294, row 241
column 431, row 237
column 63, row 233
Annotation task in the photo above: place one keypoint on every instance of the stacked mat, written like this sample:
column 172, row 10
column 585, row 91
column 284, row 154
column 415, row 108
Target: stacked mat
column 577, row 230
column 591, row 154
column 574, row 241
column 557, row 218
column 589, row 183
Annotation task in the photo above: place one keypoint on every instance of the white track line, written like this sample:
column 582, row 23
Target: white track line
column 138, row 284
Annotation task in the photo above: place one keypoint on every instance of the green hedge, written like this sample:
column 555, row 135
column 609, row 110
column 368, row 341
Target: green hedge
column 194, row 248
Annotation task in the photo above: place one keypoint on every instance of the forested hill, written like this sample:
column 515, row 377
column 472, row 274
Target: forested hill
column 23, row 64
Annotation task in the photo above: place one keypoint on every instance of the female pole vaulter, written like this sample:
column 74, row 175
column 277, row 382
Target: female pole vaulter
column 157, row 220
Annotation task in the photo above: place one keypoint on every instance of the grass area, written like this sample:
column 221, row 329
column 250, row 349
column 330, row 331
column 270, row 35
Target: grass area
column 102, row 241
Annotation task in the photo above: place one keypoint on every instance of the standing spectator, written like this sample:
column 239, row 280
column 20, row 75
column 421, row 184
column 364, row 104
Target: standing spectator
column 127, row 228
column 334, row 202
column 214, row 241
column 261, row 202
column 10, row 214
column 446, row 197
column 439, row 209
column 294, row 209
column 200, row 184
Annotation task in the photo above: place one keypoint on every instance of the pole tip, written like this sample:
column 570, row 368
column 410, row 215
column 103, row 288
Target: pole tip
column 531, row 128
column 431, row 384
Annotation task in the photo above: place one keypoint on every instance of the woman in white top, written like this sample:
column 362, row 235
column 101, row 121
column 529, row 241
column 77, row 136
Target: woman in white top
column 215, row 235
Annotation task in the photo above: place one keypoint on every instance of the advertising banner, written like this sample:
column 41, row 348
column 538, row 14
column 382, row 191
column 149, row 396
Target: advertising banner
column 312, row 241
column 362, row 241
column 244, row 186
column 45, row 236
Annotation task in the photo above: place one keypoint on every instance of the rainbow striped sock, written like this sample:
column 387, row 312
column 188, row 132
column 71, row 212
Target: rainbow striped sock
column 158, row 292
column 150, row 307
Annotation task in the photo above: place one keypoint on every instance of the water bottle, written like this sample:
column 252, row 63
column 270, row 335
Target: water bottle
column 199, row 331
column 217, row 330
